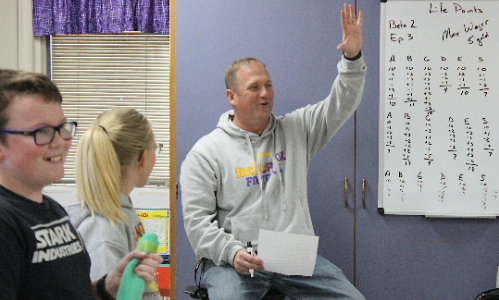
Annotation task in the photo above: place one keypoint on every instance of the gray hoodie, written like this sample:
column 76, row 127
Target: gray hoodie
column 106, row 244
column 235, row 182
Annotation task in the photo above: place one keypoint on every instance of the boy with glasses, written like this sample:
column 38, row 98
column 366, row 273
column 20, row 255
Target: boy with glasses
column 41, row 254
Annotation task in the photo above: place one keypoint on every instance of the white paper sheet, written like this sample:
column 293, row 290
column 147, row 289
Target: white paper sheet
column 286, row 253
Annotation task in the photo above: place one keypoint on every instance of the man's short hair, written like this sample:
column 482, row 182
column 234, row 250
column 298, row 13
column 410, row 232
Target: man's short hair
column 231, row 72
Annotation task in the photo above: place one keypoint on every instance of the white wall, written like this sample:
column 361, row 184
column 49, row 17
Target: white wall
column 19, row 49
column 8, row 34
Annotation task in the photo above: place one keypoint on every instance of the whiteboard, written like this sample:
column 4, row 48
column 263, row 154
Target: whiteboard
column 439, row 105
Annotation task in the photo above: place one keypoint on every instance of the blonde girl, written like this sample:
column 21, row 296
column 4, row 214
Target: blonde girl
column 114, row 156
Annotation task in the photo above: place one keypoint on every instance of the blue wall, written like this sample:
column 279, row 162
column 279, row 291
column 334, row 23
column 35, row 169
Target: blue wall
column 397, row 257
column 297, row 40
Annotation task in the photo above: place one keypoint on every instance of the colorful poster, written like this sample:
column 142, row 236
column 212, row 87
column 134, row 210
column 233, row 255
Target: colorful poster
column 157, row 221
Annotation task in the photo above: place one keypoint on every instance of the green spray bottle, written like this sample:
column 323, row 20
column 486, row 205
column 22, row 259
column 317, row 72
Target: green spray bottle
column 132, row 286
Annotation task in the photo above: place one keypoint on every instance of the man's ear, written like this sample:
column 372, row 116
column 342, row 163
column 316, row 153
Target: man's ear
column 231, row 96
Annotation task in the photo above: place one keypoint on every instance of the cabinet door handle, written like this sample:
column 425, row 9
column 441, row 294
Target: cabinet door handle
column 363, row 193
column 346, row 192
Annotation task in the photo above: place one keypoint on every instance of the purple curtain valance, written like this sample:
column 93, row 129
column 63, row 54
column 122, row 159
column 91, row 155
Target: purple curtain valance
column 100, row 16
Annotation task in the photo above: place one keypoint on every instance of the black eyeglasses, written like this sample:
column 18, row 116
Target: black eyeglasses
column 44, row 135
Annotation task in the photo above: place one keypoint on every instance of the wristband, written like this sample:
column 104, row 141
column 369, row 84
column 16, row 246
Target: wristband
column 101, row 289
column 353, row 58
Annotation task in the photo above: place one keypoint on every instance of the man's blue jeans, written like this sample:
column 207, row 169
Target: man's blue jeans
column 327, row 282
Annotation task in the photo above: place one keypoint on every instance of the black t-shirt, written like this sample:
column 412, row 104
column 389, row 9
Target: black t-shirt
column 41, row 254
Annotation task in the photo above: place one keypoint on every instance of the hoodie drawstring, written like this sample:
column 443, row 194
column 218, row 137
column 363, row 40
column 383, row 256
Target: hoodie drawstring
column 264, row 204
column 276, row 169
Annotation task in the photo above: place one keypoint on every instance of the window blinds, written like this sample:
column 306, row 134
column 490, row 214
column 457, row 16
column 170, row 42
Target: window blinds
column 97, row 72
